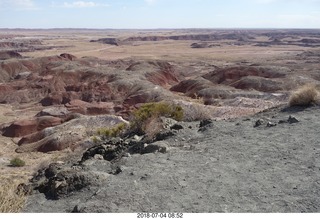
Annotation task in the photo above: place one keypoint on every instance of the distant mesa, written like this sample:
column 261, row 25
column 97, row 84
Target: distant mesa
column 111, row 41
column 202, row 45
column 186, row 37
column 310, row 41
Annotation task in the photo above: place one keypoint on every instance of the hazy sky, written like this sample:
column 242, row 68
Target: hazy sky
column 160, row 14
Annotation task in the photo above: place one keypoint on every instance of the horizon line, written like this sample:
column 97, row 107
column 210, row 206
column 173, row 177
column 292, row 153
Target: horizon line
column 189, row 28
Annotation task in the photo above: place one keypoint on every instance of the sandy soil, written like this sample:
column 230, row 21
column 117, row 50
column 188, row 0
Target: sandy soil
column 33, row 160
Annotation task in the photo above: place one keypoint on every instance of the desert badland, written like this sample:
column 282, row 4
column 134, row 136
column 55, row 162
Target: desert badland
column 69, row 97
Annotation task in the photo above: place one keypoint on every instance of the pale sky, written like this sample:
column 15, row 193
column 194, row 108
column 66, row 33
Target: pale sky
column 145, row 14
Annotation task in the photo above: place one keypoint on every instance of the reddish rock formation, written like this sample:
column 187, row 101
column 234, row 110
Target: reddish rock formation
column 191, row 86
column 57, row 80
column 158, row 72
column 82, row 107
column 220, row 84
column 230, row 75
column 259, row 84
column 70, row 134
column 91, row 86
column 26, row 127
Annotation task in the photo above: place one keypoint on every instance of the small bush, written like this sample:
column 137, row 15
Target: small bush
column 17, row 162
column 147, row 111
column 95, row 139
column 112, row 132
column 304, row 96
column 196, row 112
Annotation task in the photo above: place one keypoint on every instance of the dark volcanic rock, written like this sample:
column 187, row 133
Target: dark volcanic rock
column 258, row 123
column 57, row 181
column 292, row 119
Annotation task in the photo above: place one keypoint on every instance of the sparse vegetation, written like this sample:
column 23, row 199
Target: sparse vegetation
column 95, row 139
column 152, row 111
column 196, row 112
column 11, row 200
column 304, row 96
column 17, row 162
column 111, row 132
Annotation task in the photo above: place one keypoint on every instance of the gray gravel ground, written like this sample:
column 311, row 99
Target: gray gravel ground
column 228, row 166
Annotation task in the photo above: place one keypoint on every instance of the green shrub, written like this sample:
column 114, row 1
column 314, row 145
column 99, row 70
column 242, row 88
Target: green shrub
column 154, row 110
column 17, row 162
column 95, row 139
column 112, row 132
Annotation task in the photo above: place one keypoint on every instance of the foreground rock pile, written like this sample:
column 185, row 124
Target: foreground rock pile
column 58, row 181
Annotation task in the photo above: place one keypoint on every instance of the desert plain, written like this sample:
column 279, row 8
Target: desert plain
column 238, row 148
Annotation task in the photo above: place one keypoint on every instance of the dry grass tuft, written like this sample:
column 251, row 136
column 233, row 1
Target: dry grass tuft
column 11, row 200
column 304, row 96
column 196, row 112
column 152, row 127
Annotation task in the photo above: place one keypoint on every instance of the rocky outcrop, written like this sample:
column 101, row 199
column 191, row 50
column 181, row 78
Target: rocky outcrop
column 26, row 127
column 79, row 106
column 59, row 111
column 72, row 134
column 58, row 182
